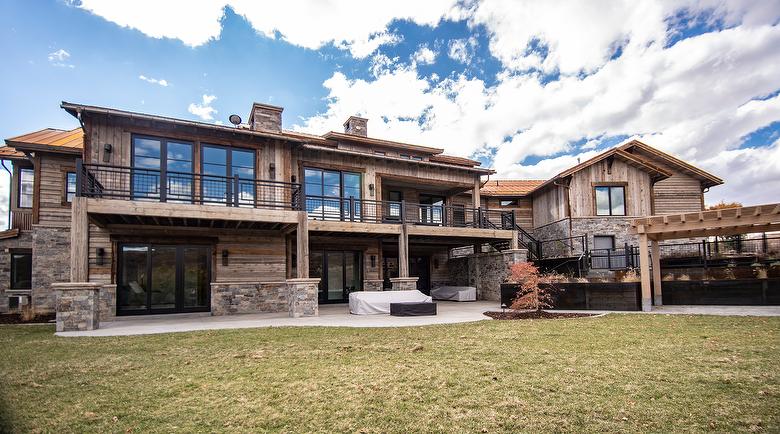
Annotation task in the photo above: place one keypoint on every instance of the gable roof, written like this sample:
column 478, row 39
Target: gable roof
column 509, row 187
column 50, row 139
column 707, row 179
column 656, row 173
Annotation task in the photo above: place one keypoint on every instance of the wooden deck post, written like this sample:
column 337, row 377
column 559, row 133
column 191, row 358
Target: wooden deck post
column 475, row 199
column 644, row 270
column 79, row 240
column 655, row 255
column 302, row 246
column 403, row 252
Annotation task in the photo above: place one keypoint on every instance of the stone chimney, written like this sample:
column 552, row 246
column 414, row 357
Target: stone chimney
column 265, row 117
column 356, row 126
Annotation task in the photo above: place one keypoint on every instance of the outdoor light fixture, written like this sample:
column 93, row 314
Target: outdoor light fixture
column 225, row 257
column 371, row 189
column 100, row 254
column 272, row 170
column 373, row 261
column 107, row 149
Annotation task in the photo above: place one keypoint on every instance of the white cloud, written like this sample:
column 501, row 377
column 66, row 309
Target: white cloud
column 350, row 24
column 462, row 50
column 161, row 82
column 203, row 110
column 424, row 55
column 60, row 58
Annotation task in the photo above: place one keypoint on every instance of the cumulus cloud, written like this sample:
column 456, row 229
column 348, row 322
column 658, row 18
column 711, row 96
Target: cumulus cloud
column 60, row 58
column 462, row 50
column 424, row 55
column 350, row 24
column 203, row 110
column 161, row 82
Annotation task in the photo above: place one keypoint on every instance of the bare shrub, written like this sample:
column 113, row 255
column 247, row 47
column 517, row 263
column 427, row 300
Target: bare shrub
column 630, row 276
column 667, row 277
column 683, row 277
column 530, row 295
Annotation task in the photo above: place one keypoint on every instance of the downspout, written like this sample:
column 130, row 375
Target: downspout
column 10, row 188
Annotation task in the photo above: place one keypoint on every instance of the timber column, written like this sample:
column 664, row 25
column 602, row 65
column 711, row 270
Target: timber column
column 644, row 273
column 403, row 281
column 302, row 291
column 655, row 255
column 79, row 240
column 302, row 246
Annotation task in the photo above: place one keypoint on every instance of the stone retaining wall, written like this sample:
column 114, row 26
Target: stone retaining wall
column 485, row 271
column 302, row 297
column 228, row 298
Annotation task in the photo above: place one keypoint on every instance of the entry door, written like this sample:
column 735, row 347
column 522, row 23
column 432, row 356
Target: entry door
column 163, row 279
column 431, row 209
column 339, row 273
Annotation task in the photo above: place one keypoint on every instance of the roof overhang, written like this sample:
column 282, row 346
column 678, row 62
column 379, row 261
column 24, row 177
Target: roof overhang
column 707, row 179
column 380, row 142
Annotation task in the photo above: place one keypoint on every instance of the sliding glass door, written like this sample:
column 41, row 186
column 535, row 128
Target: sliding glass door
column 328, row 194
column 339, row 272
column 163, row 279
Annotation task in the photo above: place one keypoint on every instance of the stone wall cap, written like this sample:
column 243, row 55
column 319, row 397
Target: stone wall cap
column 65, row 286
column 404, row 279
column 245, row 282
column 304, row 280
column 373, row 280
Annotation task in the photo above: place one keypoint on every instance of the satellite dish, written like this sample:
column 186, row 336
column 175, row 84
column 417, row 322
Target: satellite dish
column 235, row 119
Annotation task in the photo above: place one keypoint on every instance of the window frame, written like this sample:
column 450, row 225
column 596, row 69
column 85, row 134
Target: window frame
column 609, row 188
column 19, row 188
column 512, row 203
column 65, row 191
column 12, row 271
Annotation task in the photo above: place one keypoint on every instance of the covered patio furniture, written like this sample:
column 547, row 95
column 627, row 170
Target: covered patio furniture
column 377, row 302
column 455, row 293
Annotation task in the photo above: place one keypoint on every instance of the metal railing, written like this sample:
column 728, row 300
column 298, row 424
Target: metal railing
column 614, row 259
column 563, row 247
column 153, row 185
column 724, row 248
column 378, row 211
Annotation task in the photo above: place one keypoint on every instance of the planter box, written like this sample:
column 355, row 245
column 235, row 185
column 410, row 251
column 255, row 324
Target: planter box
column 737, row 292
column 588, row 296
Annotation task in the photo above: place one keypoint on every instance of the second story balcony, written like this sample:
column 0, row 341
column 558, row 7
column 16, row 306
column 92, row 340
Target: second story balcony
column 100, row 181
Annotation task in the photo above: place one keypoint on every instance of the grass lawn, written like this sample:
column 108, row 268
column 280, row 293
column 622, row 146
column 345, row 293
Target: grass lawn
column 615, row 373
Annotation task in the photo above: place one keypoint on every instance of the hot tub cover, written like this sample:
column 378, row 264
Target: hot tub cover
column 375, row 302
column 455, row 293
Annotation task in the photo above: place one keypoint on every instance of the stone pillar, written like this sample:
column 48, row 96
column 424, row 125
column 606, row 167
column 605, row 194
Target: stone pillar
column 107, row 303
column 78, row 306
column 302, row 297
column 404, row 283
column 373, row 284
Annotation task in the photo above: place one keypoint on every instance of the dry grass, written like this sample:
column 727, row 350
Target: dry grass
column 607, row 374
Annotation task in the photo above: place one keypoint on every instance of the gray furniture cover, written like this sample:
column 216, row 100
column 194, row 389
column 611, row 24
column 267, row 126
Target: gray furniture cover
column 455, row 293
column 376, row 302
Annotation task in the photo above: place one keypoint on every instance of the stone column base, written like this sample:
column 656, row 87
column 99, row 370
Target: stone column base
column 404, row 283
column 78, row 306
column 107, row 304
column 373, row 284
column 302, row 297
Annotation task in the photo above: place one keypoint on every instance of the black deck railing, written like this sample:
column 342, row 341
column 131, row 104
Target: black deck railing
column 614, row 259
column 379, row 211
column 153, row 185
column 563, row 247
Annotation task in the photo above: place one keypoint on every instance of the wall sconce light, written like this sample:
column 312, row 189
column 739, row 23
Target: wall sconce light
column 373, row 261
column 272, row 170
column 225, row 257
column 107, row 149
column 100, row 254
column 293, row 178
column 371, row 189
column 436, row 263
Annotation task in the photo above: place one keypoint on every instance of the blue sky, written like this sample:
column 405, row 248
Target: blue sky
column 527, row 87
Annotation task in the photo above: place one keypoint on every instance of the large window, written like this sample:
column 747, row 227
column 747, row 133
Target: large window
column 70, row 186
column 610, row 200
column 21, row 270
column 221, row 164
column 328, row 193
column 26, row 179
column 153, row 156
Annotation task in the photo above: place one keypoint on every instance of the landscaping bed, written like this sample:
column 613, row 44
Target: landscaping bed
column 513, row 315
column 16, row 318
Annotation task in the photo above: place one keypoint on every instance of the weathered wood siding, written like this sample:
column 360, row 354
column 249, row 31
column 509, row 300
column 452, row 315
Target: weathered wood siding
column 636, row 181
column 251, row 258
column 54, row 211
column 549, row 205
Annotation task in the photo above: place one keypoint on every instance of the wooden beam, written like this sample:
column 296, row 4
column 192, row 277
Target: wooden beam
column 79, row 240
column 734, row 230
column 644, row 270
column 475, row 197
column 655, row 255
column 302, row 246
column 403, row 252
column 206, row 212
column 366, row 228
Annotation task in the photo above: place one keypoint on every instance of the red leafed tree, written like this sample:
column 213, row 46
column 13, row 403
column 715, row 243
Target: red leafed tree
column 530, row 295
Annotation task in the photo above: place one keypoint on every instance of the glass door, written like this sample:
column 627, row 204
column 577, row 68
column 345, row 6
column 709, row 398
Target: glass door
column 155, row 159
column 431, row 209
column 339, row 271
column 163, row 279
column 328, row 194
column 220, row 166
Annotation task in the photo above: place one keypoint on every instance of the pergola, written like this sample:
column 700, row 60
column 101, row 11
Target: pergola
column 722, row 222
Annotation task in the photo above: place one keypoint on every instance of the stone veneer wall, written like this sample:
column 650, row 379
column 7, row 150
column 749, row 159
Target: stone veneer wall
column 373, row 285
column 404, row 283
column 485, row 271
column 50, row 264
column 228, row 298
column 554, row 231
column 23, row 241
column 616, row 226
column 77, row 306
column 107, row 302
